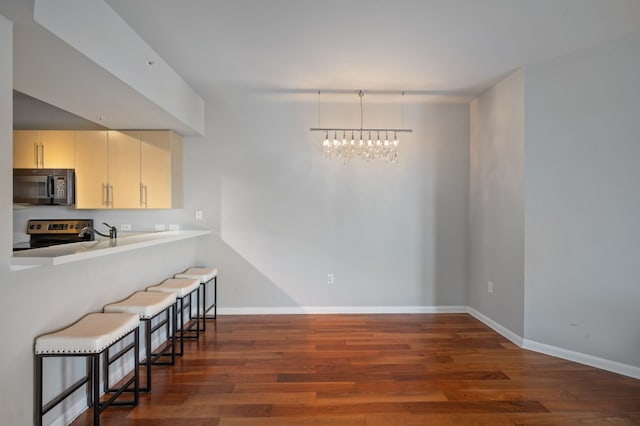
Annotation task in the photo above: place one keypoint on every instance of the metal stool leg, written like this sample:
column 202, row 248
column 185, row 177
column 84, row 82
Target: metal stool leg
column 39, row 360
column 147, row 343
column 89, row 382
column 96, row 388
column 215, row 297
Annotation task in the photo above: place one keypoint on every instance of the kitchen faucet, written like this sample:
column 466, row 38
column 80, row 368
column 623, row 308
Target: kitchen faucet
column 113, row 231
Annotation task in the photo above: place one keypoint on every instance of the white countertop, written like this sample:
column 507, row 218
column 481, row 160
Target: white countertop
column 74, row 252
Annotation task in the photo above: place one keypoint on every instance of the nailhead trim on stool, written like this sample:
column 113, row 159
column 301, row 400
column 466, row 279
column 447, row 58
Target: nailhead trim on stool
column 149, row 305
column 90, row 337
column 204, row 275
column 182, row 288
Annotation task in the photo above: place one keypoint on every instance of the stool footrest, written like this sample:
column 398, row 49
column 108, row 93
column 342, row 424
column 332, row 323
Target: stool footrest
column 71, row 389
column 162, row 352
column 116, row 392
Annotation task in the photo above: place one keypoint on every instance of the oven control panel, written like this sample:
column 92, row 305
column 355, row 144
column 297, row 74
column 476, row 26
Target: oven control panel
column 57, row 226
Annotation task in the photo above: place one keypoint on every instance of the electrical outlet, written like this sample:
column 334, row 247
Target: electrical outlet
column 490, row 286
column 330, row 279
column 159, row 227
column 199, row 215
column 125, row 227
column 174, row 227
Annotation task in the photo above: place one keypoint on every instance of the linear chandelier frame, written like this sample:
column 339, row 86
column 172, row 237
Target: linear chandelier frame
column 361, row 129
column 367, row 148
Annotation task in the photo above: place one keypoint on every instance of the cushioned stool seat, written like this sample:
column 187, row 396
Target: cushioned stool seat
column 93, row 333
column 150, row 305
column 183, row 289
column 90, row 337
column 205, row 276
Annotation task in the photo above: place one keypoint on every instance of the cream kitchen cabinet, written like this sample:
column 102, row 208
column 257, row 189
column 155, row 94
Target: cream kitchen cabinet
column 107, row 170
column 160, row 169
column 128, row 169
column 43, row 149
column 92, row 169
column 124, row 170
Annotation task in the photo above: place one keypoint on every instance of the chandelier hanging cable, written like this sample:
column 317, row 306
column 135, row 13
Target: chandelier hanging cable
column 365, row 147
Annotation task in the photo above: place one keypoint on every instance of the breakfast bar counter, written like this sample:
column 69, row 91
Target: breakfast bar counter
column 74, row 252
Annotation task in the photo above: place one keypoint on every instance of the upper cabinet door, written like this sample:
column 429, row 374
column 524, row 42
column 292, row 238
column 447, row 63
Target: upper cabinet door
column 92, row 176
column 157, row 169
column 26, row 149
column 57, row 149
column 124, row 170
column 44, row 149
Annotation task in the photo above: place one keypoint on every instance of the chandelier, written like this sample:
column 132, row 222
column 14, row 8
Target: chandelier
column 364, row 143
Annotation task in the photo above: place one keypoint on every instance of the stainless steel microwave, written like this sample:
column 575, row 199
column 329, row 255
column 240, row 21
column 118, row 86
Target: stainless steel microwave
column 44, row 186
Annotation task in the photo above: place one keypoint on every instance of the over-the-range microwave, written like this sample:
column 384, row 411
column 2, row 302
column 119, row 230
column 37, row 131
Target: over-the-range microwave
column 44, row 186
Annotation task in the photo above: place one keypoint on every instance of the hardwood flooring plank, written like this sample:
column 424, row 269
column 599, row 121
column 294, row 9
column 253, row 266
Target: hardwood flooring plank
column 329, row 387
column 333, row 398
column 517, row 406
column 247, row 398
column 358, row 420
column 200, row 411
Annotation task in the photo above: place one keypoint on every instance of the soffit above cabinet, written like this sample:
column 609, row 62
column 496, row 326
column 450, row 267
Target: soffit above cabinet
column 33, row 114
column 54, row 71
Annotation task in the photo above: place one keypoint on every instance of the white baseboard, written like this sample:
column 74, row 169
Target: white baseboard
column 297, row 310
column 593, row 361
column 579, row 357
column 514, row 337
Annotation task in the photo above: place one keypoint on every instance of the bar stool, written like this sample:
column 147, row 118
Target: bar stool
column 205, row 276
column 90, row 337
column 149, row 306
column 183, row 289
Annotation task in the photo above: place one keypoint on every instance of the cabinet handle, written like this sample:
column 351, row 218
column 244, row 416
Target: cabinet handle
column 143, row 195
column 107, row 194
column 42, row 155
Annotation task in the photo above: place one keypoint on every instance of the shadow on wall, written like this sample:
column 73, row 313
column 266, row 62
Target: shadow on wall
column 239, row 278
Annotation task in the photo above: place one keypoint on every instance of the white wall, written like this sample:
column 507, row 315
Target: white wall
column 6, row 127
column 496, row 206
column 393, row 235
column 582, row 201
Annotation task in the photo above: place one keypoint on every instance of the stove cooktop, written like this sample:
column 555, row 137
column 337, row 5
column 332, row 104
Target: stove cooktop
column 49, row 232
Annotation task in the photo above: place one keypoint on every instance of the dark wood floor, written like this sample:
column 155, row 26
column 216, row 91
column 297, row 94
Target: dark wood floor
column 373, row 370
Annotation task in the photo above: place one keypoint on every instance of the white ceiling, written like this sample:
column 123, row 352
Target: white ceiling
column 457, row 47
column 441, row 49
